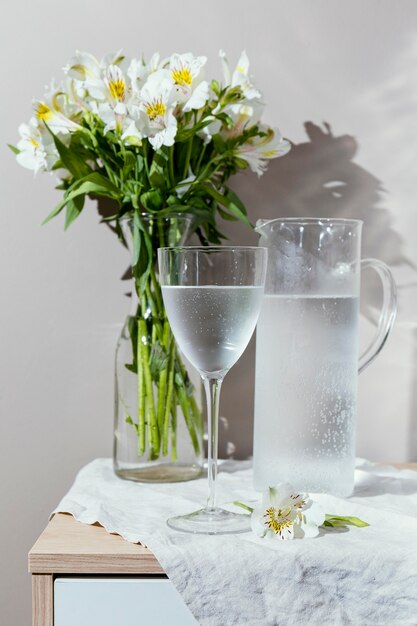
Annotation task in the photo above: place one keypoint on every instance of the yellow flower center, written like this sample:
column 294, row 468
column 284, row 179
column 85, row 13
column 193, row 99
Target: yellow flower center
column 43, row 112
column 277, row 519
column 81, row 69
column 34, row 142
column 117, row 88
column 182, row 76
column 155, row 109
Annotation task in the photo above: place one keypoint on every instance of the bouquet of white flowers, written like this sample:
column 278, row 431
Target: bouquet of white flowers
column 161, row 142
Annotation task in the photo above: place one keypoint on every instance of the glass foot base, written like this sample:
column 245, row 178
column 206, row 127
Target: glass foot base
column 211, row 522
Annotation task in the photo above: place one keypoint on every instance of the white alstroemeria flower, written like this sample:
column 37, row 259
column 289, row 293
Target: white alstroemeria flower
column 310, row 517
column 139, row 71
column 243, row 116
column 240, row 76
column 56, row 121
column 158, row 101
column 119, row 110
column 284, row 514
column 276, row 514
column 85, row 66
column 65, row 98
column 58, row 110
column 112, row 87
column 93, row 75
column 187, row 76
column 37, row 150
column 258, row 150
column 118, row 120
column 116, row 85
column 131, row 134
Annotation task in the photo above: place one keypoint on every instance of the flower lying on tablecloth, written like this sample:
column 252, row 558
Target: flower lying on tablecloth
column 285, row 513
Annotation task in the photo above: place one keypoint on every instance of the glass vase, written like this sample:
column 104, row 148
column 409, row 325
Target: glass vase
column 158, row 431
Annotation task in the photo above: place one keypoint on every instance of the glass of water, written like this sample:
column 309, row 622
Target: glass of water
column 212, row 296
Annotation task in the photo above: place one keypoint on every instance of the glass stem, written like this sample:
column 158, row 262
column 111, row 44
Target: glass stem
column 212, row 388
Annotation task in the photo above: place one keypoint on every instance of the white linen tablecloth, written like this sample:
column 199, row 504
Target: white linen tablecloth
column 363, row 576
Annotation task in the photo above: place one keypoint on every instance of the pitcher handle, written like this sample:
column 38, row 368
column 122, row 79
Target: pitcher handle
column 387, row 314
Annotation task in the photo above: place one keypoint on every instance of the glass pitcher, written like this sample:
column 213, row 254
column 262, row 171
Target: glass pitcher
column 307, row 352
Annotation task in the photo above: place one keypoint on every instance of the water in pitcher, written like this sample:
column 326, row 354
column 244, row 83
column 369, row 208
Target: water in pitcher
column 306, row 389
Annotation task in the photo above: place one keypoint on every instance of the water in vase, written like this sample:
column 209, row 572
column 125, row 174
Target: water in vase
column 305, row 405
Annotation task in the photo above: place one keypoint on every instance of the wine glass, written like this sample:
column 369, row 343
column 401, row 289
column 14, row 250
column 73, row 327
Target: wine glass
column 212, row 297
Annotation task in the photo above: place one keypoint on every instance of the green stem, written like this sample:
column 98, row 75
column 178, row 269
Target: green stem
column 145, row 154
column 200, row 158
column 195, row 410
column 174, row 428
column 154, row 437
column 141, row 395
column 163, row 380
column 152, row 304
column 188, row 157
column 157, row 290
column 171, row 166
column 171, row 370
column 182, row 396
column 157, row 414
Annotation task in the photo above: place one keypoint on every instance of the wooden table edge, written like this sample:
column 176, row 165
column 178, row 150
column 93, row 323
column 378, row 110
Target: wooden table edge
column 72, row 547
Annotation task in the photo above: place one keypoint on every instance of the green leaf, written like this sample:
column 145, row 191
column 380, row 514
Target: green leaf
column 151, row 200
column 226, row 216
column 157, row 172
column 129, row 420
column 339, row 520
column 137, row 239
column 215, row 87
column 231, row 96
column 74, row 208
column 243, row 506
column 334, row 524
column 142, row 278
column 241, row 163
column 13, row 149
column 186, row 134
column 142, row 253
column 158, row 360
column 225, row 119
column 71, row 160
column 228, row 202
column 236, row 200
column 94, row 183
column 213, row 235
column 172, row 200
column 57, row 165
column 55, row 212
column 140, row 163
column 219, row 144
column 62, row 186
column 130, row 161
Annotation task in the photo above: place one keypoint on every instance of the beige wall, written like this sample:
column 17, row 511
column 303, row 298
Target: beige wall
column 350, row 64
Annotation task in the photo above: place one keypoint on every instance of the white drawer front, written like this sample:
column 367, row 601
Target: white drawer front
column 119, row 602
